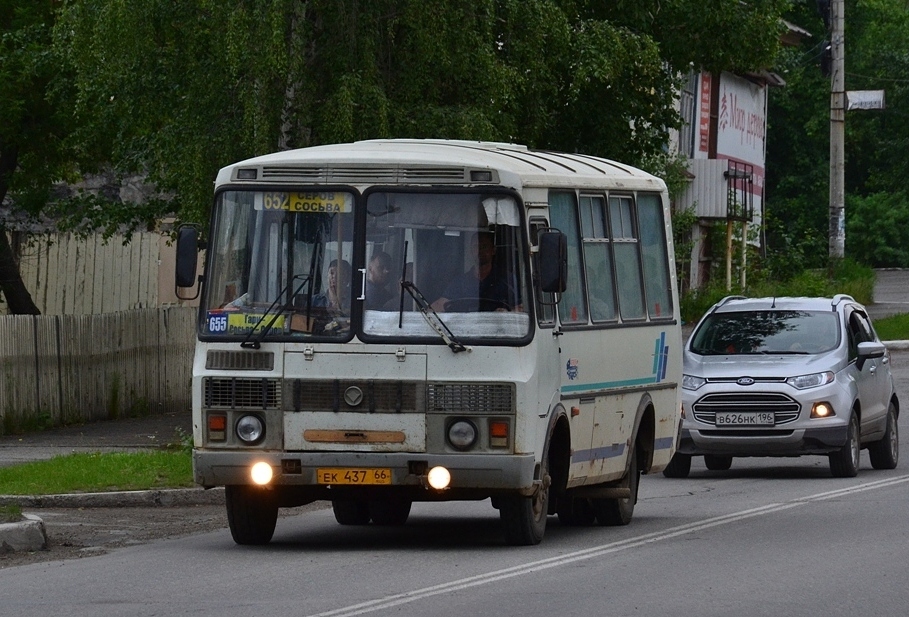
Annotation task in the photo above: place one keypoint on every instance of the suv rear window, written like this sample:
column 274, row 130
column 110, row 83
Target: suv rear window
column 767, row 332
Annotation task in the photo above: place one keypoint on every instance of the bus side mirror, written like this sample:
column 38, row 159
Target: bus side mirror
column 187, row 257
column 553, row 252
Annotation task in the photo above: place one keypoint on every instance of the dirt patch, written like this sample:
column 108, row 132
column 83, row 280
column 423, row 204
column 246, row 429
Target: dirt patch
column 73, row 533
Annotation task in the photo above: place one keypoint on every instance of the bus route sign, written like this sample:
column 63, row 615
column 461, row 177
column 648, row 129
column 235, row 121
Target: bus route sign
column 328, row 202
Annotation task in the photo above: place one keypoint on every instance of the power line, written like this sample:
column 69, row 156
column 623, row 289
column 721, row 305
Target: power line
column 876, row 78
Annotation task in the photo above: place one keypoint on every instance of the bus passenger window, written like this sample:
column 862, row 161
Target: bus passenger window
column 627, row 259
column 656, row 261
column 564, row 216
column 597, row 259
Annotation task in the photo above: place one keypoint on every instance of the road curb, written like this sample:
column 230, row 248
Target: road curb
column 26, row 535
column 900, row 345
column 120, row 499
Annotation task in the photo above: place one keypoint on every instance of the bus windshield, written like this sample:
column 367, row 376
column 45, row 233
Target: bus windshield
column 385, row 265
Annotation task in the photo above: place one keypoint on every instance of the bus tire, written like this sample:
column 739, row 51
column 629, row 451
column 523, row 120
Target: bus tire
column 679, row 466
column 350, row 511
column 576, row 512
column 524, row 518
column 252, row 514
column 614, row 512
column 390, row 513
column 715, row 462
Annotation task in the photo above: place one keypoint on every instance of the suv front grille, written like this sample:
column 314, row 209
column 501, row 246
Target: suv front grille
column 785, row 409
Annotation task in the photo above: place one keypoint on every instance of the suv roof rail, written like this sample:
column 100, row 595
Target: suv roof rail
column 841, row 298
column 728, row 299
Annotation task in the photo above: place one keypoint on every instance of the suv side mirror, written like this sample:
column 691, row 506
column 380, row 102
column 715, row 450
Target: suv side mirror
column 869, row 350
column 553, row 261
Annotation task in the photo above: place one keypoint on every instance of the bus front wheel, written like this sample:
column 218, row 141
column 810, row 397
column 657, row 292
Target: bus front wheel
column 524, row 518
column 252, row 514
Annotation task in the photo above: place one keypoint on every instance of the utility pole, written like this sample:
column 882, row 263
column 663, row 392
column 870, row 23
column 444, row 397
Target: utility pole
column 837, row 230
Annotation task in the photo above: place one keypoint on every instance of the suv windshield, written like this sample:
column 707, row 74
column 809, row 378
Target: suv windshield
column 766, row 332
column 289, row 266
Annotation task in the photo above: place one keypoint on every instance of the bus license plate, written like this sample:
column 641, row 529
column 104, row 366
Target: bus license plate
column 347, row 475
column 759, row 418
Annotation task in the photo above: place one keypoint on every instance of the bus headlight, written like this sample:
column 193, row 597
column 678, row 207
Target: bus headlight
column 250, row 429
column 462, row 434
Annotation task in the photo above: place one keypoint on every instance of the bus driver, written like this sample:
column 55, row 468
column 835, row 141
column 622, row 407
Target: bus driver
column 482, row 288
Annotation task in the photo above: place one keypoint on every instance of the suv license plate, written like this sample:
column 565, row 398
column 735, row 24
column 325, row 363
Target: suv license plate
column 759, row 418
column 353, row 475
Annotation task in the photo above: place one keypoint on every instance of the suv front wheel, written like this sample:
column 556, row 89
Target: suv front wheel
column 844, row 463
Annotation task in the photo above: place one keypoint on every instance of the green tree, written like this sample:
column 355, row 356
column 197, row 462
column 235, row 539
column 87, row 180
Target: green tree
column 199, row 83
column 798, row 159
column 31, row 127
column 175, row 89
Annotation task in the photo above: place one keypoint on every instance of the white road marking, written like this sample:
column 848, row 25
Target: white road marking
column 597, row 551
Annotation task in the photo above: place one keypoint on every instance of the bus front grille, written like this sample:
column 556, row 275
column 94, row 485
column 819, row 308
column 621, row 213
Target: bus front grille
column 470, row 398
column 368, row 396
column 241, row 393
column 376, row 396
column 239, row 360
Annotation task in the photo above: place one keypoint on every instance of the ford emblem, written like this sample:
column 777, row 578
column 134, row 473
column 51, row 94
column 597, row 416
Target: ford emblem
column 745, row 381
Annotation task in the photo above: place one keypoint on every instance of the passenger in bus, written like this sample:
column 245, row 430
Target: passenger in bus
column 482, row 288
column 337, row 295
column 377, row 274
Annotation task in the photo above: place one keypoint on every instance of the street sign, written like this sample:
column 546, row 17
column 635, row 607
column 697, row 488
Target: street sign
column 864, row 99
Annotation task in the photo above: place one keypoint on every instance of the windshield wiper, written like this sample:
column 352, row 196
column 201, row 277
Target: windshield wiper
column 255, row 343
column 429, row 314
column 787, row 352
column 431, row 317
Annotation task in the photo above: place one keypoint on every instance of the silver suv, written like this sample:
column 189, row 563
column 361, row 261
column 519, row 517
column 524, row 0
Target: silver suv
column 787, row 377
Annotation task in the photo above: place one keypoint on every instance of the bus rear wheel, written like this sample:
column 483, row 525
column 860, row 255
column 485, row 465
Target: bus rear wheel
column 612, row 511
column 575, row 511
column 350, row 511
column 389, row 513
column 252, row 514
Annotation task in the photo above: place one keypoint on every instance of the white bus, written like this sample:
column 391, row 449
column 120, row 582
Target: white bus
column 392, row 321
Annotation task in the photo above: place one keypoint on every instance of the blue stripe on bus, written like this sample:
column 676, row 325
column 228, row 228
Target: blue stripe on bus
column 609, row 384
column 585, row 456
column 618, row 449
column 660, row 362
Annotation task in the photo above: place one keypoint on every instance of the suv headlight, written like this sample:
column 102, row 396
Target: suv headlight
column 803, row 382
column 690, row 382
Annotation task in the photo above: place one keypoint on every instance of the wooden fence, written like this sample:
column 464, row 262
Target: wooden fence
column 70, row 275
column 65, row 369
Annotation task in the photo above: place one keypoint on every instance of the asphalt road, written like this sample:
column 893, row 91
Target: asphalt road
column 769, row 537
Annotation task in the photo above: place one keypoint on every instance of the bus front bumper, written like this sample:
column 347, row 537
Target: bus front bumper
column 469, row 472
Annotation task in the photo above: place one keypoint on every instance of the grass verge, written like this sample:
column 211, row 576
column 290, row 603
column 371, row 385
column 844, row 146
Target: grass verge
column 99, row 472
column 894, row 328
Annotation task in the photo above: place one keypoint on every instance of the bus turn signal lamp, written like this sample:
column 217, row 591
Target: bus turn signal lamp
column 498, row 434
column 217, row 427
